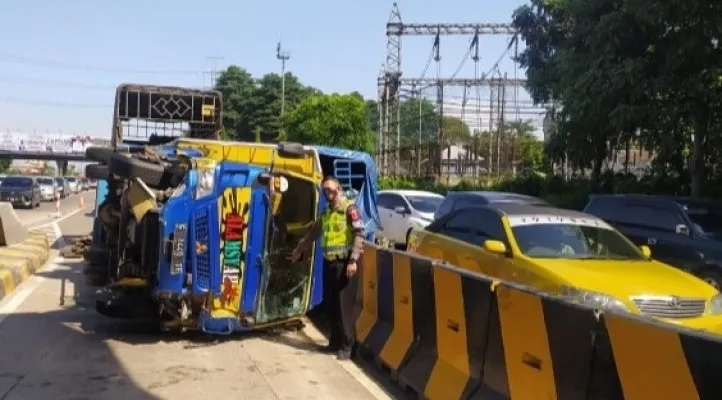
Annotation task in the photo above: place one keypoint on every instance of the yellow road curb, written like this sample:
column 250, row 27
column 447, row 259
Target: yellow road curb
column 19, row 261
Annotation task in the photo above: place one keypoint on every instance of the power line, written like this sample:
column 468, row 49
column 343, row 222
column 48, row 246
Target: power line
column 52, row 82
column 49, row 103
column 45, row 63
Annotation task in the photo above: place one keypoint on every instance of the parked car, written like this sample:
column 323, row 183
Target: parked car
column 681, row 231
column 458, row 200
column 570, row 254
column 402, row 210
column 48, row 188
column 23, row 191
column 63, row 186
column 73, row 184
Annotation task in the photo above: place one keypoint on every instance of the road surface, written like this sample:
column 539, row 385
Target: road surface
column 54, row 345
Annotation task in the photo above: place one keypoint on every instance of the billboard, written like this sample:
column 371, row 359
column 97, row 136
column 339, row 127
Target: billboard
column 36, row 143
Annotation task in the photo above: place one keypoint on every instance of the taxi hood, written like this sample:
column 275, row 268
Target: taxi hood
column 627, row 278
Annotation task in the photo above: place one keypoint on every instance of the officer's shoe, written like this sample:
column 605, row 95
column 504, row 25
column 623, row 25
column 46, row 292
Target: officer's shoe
column 345, row 353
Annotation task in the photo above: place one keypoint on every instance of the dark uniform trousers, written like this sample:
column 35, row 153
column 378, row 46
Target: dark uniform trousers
column 339, row 293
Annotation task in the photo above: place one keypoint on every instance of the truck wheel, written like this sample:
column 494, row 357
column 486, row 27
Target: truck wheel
column 99, row 154
column 97, row 171
column 130, row 168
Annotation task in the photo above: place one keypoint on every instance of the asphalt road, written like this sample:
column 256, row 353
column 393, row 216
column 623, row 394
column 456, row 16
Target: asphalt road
column 46, row 212
column 54, row 345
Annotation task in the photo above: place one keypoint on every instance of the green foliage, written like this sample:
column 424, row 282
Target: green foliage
column 331, row 120
column 5, row 164
column 641, row 72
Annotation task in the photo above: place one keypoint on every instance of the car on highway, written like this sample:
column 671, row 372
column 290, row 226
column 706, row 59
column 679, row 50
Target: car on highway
column 48, row 188
column 62, row 186
column 23, row 191
column 402, row 210
column 461, row 199
column 73, row 184
column 570, row 254
column 681, row 231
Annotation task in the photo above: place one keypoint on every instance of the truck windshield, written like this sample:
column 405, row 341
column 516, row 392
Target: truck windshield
column 148, row 114
column 16, row 181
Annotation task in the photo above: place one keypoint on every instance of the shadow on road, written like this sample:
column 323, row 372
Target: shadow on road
column 67, row 354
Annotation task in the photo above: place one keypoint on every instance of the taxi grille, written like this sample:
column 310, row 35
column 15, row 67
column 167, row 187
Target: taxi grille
column 670, row 306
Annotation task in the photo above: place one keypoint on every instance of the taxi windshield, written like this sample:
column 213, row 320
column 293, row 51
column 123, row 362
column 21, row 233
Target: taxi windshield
column 574, row 241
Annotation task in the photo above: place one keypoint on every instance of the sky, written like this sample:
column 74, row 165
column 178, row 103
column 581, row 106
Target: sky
column 60, row 62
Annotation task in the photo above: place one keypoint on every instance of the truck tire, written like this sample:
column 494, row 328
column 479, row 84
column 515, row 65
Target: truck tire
column 97, row 171
column 99, row 154
column 152, row 174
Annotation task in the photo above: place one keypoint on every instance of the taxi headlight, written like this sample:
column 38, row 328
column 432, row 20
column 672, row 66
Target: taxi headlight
column 206, row 182
column 714, row 306
column 597, row 300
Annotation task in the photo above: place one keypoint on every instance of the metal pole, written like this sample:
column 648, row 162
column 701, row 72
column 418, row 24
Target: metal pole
column 283, row 56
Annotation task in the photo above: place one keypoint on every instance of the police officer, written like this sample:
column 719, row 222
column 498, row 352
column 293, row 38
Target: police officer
column 342, row 245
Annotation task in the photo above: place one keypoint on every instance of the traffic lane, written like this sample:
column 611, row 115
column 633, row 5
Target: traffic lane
column 54, row 345
column 68, row 348
column 46, row 212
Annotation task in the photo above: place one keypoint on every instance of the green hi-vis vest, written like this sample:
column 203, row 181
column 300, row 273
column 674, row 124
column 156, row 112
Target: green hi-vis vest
column 337, row 238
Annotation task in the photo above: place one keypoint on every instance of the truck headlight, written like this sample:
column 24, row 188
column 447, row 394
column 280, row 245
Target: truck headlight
column 715, row 305
column 597, row 300
column 206, row 182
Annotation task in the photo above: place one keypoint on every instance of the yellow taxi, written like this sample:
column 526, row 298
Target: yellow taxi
column 571, row 254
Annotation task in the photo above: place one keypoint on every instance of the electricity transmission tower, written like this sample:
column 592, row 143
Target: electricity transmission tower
column 392, row 86
column 214, row 69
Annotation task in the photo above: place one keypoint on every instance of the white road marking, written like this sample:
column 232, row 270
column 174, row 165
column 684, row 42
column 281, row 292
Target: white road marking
column 63, row 218
column 11, row 303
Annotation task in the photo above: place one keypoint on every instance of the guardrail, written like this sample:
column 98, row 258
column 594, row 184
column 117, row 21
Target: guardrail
column 446, row 333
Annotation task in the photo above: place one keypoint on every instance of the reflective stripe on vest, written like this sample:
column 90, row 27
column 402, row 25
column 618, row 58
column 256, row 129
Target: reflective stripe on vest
column 337, row 238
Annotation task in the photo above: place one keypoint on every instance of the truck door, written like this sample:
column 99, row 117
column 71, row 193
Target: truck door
column 284, row 286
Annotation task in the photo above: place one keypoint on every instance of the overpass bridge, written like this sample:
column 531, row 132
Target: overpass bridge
column 61, row 148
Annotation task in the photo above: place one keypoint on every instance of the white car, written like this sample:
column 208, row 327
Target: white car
column 48, row 188
column 73, row 184
column 402, row 210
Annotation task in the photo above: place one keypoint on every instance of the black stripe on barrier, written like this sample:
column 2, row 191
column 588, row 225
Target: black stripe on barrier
column 385, row 317
column 704, row 359
column 416, row 371
column 604, row 379
column 570, row 332
column 478, row 302
column 495, row 383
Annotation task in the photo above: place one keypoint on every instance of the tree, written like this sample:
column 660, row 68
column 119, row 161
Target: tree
column 331, row 120
column 267, row 102
column 623, row 72
column 5, row 164
column 456, row 131
column 239, row 90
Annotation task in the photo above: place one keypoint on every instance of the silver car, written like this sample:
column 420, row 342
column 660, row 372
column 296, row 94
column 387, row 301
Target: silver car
column 48, row 188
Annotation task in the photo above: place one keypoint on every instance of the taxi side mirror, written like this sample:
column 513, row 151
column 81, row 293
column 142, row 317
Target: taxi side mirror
column 646, row 251
column 495, row 246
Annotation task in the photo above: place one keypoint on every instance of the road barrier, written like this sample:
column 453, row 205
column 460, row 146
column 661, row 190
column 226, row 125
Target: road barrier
column 446, row 333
